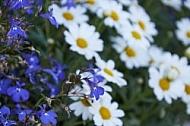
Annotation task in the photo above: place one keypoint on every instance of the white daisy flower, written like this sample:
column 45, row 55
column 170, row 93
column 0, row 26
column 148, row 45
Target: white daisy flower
column 106, row 113
column 176, row 4
column 176, row 68
column 163, row 87
column 84, row 40
column 119, row 43
column 109, row 73
column 128, row 2
column 183, row 31
column 114, row 13
column 134, row 35
column 187, row 3
column 134, row 56
column 156, row 56
column 81, row 107
column 186, row 94
column 68, row 17
column 140, row 17
column 92, row 5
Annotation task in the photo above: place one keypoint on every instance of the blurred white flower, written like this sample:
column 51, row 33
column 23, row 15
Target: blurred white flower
column 68, row 17
column 163, row 87
column 176, row 4
column 114, row 14
column 109, row 73
column 140, row 17
column 81, row 107
column 183, row 31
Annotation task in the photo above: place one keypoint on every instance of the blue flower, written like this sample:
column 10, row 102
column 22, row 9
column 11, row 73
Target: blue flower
column 47, row 117
column 18, row 4
column 4, row 84
column 22, row 114
column 50, row 17
column 6, row 122
column 69, row 4
column 17, row 92
column 54, row 89
column 56, row 72
column 96, row 90
column 16, row 30
column 33, row 65
column 4, row 111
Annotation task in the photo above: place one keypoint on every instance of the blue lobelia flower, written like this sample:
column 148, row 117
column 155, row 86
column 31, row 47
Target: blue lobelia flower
column 22, row 114
column 16, row 30
column 6, row 122
column 46, row 117
column 17, row 92
column 4, row 111
column 96, row 90
column 54, row 89
column 4, row 84
column 19, row 4
column 56, row 71
column 33, row 65
column 50, row 17
column 69, row 4
column 4, row 114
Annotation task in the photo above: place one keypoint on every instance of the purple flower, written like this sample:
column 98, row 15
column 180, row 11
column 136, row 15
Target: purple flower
column 69, row 4
column 46, row 117
column 17, row 92
column 96, row 90
column 22, row 114
column 4, row 84
column 50, row 17
column 18, row 4
column 16, row 30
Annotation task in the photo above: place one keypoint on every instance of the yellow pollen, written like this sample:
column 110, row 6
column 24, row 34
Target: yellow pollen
column 188, row 34
column 114, row 16
column 85, row 102
column 81, row 43
column 108, row 72
column 130, row 52
column 136, row 35
column 142, row 25
column 187, row 89
column 68, row 16
column 164, row 84
column 105, row 113
column 91, row 2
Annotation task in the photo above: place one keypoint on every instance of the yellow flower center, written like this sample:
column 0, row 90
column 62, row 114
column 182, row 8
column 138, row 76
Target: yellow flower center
column 188, row 34
column 130, row 52
column 136, row 35
column 91, row 2
column 68, row 16
column 142, row 25
column 105, row 113
column 85, row 102
column 187, row 89
column 81, row 43
column 114, row 16
column 164, row 84
column 109, row 72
